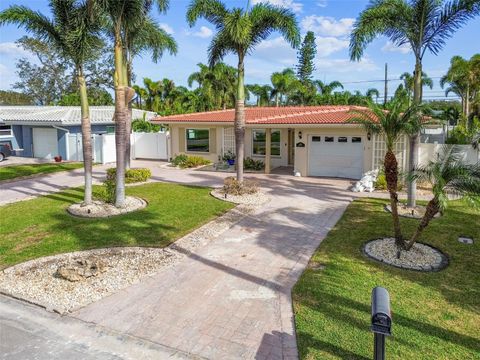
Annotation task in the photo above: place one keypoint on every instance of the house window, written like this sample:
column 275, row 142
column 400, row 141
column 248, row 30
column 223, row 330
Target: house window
column 259, row 142
column 198, row 140
column 328, row 138
column 110, row 129
column 356, row 139
column 342, row 139
column 316, row 138
column 5, row 131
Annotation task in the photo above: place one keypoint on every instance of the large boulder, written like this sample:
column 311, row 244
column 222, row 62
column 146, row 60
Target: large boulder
column 80, row 269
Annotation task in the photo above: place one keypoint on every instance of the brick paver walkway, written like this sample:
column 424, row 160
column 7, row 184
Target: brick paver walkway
column 231, row 298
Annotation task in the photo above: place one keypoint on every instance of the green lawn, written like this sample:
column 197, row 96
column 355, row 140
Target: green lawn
column 435, row 315
column 41, row 227
column 15, row 171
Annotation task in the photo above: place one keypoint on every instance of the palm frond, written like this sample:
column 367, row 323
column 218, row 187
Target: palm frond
column 213, row 11
column 219, row 47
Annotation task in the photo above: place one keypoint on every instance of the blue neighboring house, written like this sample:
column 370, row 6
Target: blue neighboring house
column 45, row 131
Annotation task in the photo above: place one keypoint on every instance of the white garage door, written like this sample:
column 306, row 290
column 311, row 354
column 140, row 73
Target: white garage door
column 335, row 156
column 45, row 143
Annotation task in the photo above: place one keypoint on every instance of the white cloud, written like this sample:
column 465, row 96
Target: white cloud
column 13, row 50
column 345, row 65
column 203, row 33
column 391, row 47
column 328, row 45
column 295, row 6
column 322, row 3
column 168, row 29
column 275, row 50
column 327, row 26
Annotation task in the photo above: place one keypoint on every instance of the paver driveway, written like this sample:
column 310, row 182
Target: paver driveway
column 231, row 298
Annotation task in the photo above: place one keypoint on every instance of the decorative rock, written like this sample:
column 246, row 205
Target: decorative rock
column 81, row 269
column 420, row 257
column 465, row 240
column 415, row 213
column 256, row 199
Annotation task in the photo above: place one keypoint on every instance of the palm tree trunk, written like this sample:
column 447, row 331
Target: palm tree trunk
column 391, row 175
column 276, row 99
column 86, row 137
column 128, row 125
column 467, row 104
column 430, row 212
column 240, row 120
column 414, row 139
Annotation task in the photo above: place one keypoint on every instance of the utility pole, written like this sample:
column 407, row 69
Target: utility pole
column 386, row 86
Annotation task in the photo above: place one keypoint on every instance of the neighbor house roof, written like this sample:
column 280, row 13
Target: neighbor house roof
column 332, row 114
column 61, row 115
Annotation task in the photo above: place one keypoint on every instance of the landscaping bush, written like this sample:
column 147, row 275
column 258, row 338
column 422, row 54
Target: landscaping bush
column 234, row 187
column 107, row 192
column 251, row 164
column 131, row 175
column 189, row 161
column 381, row 183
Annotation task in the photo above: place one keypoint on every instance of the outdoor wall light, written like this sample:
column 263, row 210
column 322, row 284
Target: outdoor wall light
column 369, row 136
column 299, row 134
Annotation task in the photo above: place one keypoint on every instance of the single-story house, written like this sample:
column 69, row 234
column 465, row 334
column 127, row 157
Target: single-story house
column 313, row 140
column 49, row 131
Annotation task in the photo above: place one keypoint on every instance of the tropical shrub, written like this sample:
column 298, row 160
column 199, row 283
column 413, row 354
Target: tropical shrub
column 188, row 161
column 142, row 125
column 252, row 164
column 131, row 175
column 232, row 186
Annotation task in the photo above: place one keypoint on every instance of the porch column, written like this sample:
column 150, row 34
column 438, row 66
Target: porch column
column 268, row 143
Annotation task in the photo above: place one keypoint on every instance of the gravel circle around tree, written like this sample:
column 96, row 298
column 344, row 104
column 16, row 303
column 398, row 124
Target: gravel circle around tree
column 420, row 257
column 255, row 199
column 405, row 211
column 100, row 209
column 66, row 282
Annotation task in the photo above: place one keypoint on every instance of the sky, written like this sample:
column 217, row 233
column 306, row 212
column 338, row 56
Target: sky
column 330, row 20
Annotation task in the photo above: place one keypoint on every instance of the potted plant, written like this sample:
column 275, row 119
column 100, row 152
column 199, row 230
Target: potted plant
column 58, row 158
column 229, row 157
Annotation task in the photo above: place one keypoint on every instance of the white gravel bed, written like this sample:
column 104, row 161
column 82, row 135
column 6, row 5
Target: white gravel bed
column 100, row 209
column 257, row 199
column 420, row 257
column 35, row 281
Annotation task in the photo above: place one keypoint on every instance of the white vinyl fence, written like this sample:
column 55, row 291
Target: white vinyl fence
column 429, row 152
column 143, row 146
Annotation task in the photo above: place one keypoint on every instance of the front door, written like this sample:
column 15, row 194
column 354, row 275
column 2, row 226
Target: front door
column 291, row 146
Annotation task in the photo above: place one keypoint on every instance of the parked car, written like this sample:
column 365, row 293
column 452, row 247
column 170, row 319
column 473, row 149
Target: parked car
column 5, row 151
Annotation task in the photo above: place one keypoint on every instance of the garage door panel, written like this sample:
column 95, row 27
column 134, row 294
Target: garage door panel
column 335, row 159
column 45, row 143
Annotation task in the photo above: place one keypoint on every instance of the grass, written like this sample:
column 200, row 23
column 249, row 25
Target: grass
column 42, row 227
column 435, row 315
column 16, row 171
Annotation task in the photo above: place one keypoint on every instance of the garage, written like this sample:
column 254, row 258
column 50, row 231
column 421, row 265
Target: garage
column 45, row 143
column 335, row 156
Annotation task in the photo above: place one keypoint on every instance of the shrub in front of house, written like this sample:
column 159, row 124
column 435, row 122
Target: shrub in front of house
column 189, row 161
column 252, row 164
column 381, row 183
column 131, row 175
column 232, row 186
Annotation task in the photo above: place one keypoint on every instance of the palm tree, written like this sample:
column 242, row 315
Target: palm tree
column 326, row 89
column 391, row 123
column 124, row 15
column 283, row 82
column 408, row 82
column 422, row 24
column 147, row 37
column 74, row 33
column 448, row 175
column 371, row 93
column 239, row 31
column 463, row 76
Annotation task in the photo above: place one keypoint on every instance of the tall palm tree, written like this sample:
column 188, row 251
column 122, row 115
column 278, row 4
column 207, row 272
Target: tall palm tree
column 391, row 123
column 147, row 37
column 448, row 175
column 327, row 89
column 74, row 32
column 239, row 31
column 124, row 15
column 422, row 24
column 283, row 83
column 463, row 78
column 370, row 93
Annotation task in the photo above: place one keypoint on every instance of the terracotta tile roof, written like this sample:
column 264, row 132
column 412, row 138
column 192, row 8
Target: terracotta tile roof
column 333, row 114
